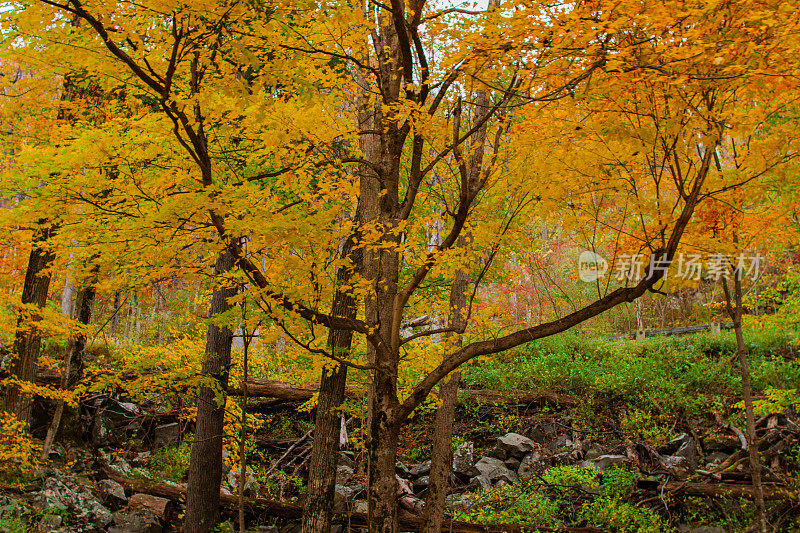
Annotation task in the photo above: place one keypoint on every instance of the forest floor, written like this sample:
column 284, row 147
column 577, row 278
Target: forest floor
column 568, row 433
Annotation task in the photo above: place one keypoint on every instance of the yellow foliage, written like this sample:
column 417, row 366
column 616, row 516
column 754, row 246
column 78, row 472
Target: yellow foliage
column 19, row 452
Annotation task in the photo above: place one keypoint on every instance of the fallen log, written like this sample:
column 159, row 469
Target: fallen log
column 295, row 510
column 270, row 388
column 730, row 490
column 266, row 388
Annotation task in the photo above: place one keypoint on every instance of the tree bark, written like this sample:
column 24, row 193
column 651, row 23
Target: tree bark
column 27, row 341
column 205, row 463
column 318, row 508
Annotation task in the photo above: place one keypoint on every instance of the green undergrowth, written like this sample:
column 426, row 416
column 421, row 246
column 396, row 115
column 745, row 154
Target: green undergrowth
column 678, row 373
column 564, row 496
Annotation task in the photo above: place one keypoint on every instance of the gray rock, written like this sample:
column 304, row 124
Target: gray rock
column 166, row 435
column 343, row 474
column 421, row 483
column 463, row 458
column 514, row 445
column 111, row 491
column 512, row 463
column 717, row 458
column 483, row 481
column 604, row 462
column 340, row 498
column 677, row 466
column 561, row 458
column 361, row 506
column 493, row 469
column 66, row 494
column 141, row 458
column 422, row 469
column 345, row 459
column 122, row 467
column 532, row 464
column 561, row 442
column 594, row 452
column 456, row 502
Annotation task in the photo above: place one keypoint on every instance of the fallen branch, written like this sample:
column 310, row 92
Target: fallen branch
column 730, row 490
column 732, row 429
column 295, row 510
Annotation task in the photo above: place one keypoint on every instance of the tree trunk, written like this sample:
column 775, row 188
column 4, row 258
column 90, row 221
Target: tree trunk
column 318, row 508
column 115, row 316
column 747, row 392
column 205, row 463
column 27, row 341
column 441, row 456
column 75, row 347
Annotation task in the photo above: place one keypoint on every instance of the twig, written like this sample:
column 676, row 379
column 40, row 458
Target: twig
column 291, row 448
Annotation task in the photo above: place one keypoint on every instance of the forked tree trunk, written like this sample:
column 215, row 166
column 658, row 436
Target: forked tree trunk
column 205, row 463
column 27, row 341
column 325, row 450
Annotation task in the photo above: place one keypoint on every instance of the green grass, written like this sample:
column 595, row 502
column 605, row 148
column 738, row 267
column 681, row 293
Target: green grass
column 685, row 373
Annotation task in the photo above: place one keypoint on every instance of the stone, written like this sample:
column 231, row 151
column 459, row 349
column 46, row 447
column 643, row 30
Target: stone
column 561, row 442
column 122, row 467
column 166, row 435
column 456, row 502
column 717, row 458
column 483, row 482
column 346, row 459
column 512, row 463
column 343, row 494
column 111, row 491
column 593, row 452
column 677, row 466
column 463, row 458
column 343, row 474
column 141, row 458
column 421, row 483
column 361, row 506
column 604, row 462
column 66, row 494
column 515, row 445
column 493, row 469
column 422, row 469
column 561, row 458
column 532, row 464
